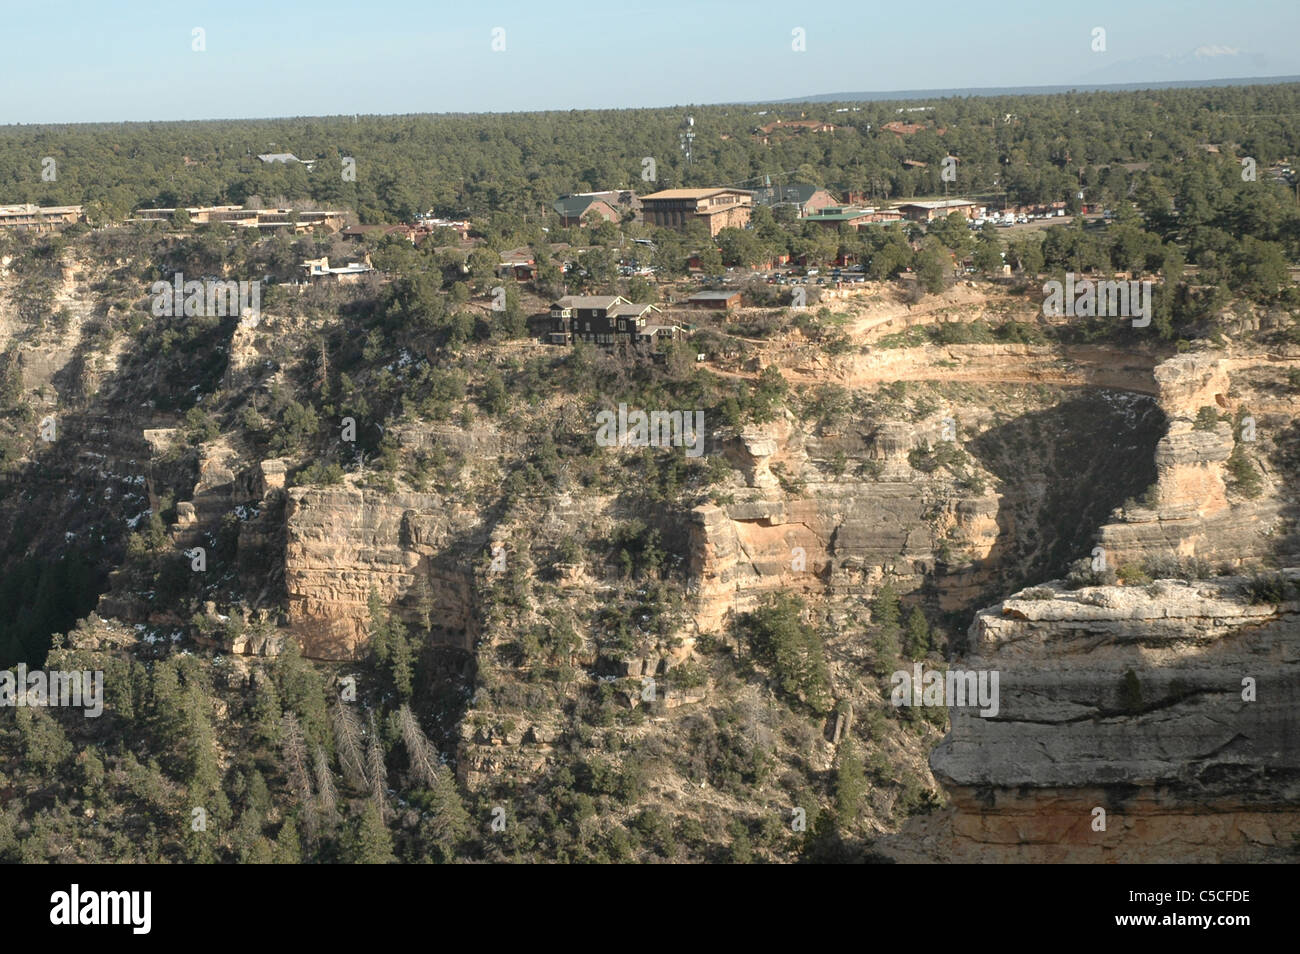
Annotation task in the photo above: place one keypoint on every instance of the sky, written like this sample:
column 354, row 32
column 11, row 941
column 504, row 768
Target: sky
column 136, row 60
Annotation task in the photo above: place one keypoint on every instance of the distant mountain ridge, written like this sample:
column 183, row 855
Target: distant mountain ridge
column 1032, row 90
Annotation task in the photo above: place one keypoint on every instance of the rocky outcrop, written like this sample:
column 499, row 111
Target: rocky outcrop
column 343, row 542
column 1187, row 512
column 1171, row 708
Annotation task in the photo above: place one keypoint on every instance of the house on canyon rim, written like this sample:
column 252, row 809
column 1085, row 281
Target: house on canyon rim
column 606, row 320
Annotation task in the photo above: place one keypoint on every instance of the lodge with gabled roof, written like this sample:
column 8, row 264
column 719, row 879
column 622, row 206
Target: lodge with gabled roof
column 604, row 320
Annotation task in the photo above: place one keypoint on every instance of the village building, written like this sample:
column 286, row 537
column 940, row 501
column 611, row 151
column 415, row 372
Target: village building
column 835, row 216
column 899, row 128
column 718, row 209
column 804, row 197
column 605, row 320
column 35, row 217
column 318, row 269
column 716, row 300
column 611, row 206
column 415, row 234
column 939, row 209
column 517, row 263
column 784, row 128
column 431, row 222
column 238, row 216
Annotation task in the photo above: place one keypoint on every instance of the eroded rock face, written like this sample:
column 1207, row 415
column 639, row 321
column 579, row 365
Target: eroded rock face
column 840, row 540
column 343, row 541
column 1138, row 701
column 837, row 533
column 1189, row 513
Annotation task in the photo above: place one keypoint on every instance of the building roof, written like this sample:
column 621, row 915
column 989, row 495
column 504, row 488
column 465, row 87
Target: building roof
column 691, row 193
column 937, row 204
column 590, row 301
column 29, row 209
column 797, row 192
column 838, row 214
column 714, row 295
column 279, row 157
column 575, row 206
column 630, row 308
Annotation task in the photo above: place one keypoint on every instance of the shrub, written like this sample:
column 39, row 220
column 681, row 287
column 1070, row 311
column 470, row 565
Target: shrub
column 1038, row 593
column 1245, row 478
column 199, row 426
column 1206, row 419
column 1082, row 574
column 318, row 473
column 1133, row 574
column 1267, row 588
column 1172, row 568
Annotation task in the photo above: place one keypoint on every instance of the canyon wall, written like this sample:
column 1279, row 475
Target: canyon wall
column 1172, row 708
column 343, row 542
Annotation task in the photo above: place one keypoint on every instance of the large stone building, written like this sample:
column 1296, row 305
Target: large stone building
column 718, row 209
column 29, row 216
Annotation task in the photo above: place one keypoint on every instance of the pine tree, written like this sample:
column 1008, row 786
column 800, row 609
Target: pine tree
column 916, row 641
column 885, row 614
column 850, row 782
column 266, row 713
column 369, row 842
column 288, row 846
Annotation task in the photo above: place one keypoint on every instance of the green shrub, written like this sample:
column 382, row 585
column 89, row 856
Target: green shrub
column 318, row 474
column 1206, row 419
column 1267, row 588
column 1244, row 477
column 1133, row 574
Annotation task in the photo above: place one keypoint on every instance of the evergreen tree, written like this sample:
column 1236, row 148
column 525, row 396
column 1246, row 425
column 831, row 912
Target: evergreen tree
column 850, row 782
column 368, row 841
column 916, row 640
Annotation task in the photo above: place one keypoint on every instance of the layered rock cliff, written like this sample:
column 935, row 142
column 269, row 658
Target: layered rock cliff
column 1134, row 724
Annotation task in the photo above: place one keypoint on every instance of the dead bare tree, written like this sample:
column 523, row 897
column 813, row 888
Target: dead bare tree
column 378, row 772
column 294, row 749
column 325, row 792
column 423, row 756
column 349, row 739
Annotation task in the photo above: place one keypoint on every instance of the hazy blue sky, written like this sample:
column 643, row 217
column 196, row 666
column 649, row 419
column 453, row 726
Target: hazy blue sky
column 99, row 60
